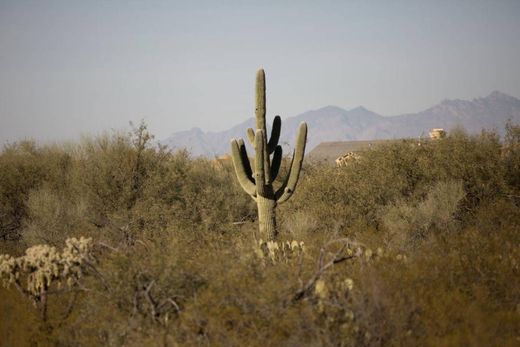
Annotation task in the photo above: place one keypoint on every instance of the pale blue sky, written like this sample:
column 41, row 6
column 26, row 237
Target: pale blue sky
column 72, row 67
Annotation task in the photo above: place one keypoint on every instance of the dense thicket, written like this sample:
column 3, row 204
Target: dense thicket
column 412, row 244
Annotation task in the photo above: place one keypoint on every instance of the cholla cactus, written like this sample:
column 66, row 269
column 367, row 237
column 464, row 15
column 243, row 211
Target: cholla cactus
column 42, row 265
column 8, row 274
column 347, row 158
column 259, row 184
column 277, row 252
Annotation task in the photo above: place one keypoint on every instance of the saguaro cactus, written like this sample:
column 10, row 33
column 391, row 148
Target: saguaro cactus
column 259, row 184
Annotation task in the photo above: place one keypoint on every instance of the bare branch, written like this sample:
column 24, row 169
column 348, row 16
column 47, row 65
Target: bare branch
column 321, row 268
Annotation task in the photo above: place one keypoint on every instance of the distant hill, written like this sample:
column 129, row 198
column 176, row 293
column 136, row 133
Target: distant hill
column 333, row 123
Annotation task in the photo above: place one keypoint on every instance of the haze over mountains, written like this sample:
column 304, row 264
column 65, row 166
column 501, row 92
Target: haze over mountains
column 332, row 123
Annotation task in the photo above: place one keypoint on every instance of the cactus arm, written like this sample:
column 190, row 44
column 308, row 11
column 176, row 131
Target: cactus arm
column 260, row 173
column 275, row 164
column 275, row 135
column 287, row 189
column 242, row 167
column 245, row 160
column 251, row 136
column 283, row 187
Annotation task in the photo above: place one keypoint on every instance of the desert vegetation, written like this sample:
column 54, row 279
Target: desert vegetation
column 115, row 241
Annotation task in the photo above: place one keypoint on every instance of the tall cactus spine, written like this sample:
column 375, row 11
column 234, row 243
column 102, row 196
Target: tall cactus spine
column 268, row 158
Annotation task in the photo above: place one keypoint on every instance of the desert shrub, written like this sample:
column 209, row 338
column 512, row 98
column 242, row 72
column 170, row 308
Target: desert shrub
column 476, row 160
column 299, row 224
column 409, row 245
column 141, row 290
column 411, row 221
column 225, row 294
column 135, row 190
column 512, row 155
column 22, row 168
column 209, row 187
column 25, row 167
column 53, row 217
column 112, row 171
column 353, row 195
column 418, row 302
column 496, row 215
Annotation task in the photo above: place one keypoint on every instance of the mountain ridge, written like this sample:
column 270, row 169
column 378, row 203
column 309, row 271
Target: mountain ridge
column 333, row 123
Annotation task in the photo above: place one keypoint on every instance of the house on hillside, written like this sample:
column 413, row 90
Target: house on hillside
column 329, row 152
column 437, row 133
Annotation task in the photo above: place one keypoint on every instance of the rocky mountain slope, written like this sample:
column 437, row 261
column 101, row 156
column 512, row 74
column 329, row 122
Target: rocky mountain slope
column 333, row 123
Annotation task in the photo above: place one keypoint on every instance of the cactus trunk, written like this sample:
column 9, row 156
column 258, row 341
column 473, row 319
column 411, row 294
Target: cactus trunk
column 267, row 217
column 259, row 184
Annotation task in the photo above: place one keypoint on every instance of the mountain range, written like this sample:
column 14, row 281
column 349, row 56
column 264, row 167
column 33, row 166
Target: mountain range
column 332, row 123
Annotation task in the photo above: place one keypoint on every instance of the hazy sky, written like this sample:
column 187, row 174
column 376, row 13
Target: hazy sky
column 72, row 67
